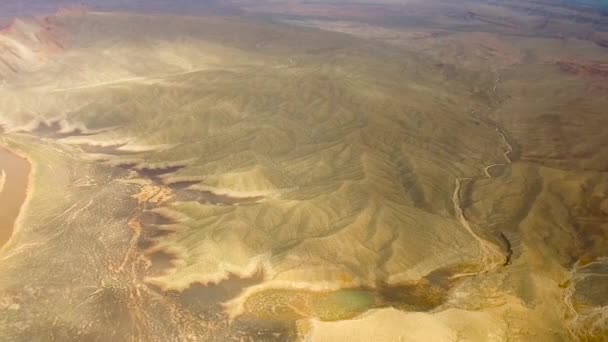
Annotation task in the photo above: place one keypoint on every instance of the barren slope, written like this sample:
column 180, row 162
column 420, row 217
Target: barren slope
column 191, row 171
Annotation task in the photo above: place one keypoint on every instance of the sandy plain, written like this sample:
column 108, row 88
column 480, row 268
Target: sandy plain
column 393, row 171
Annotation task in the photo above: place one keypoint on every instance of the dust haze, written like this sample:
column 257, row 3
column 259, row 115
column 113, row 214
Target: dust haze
column 242, row 170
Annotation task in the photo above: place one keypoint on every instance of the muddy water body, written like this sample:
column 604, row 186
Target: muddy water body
column 16, row 172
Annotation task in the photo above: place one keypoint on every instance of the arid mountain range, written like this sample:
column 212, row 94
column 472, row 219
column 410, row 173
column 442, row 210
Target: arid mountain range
column 303, row 171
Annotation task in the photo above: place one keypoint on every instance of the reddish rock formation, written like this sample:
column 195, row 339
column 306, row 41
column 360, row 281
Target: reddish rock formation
column 583, row 68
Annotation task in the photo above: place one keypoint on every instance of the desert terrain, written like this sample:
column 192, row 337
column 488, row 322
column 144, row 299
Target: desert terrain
column 375, row 170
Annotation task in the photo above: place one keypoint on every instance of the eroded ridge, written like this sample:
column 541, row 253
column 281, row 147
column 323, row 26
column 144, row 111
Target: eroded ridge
column 122, row 291
column 251, row 187
column 585, row 301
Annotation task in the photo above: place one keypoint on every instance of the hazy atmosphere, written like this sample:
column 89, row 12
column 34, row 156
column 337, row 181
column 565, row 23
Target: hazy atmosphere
column 290, row 170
